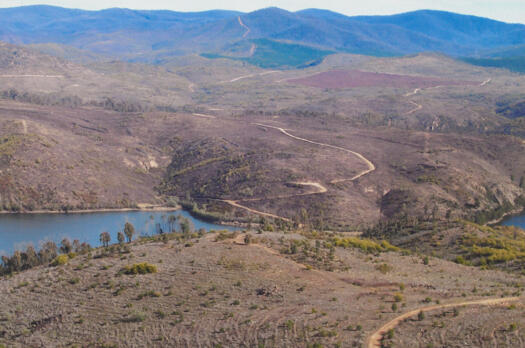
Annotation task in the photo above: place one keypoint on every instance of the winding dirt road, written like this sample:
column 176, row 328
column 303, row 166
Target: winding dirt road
column 371, row 166
column 417, row 107
column 248, row 30
column 250, row 75
column 417, row 90
column 374, row 341
column 485, row 82
column 257, row 212
column 203, row 115
column 252, row 50
column 320, row 188
column 24, row 126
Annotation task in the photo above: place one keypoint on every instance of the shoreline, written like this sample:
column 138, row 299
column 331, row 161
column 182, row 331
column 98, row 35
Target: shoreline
column 238, row 224
column 510, row 214
column 91, row 211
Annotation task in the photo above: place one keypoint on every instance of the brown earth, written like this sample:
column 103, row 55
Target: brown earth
column 356, row 79
column 215, row 290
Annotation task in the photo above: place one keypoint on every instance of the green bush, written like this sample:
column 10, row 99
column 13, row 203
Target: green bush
column 366, row 245
column 139, row 268
column 135, row 317
column 149, row 293
column 60, row 260
column 384, row 268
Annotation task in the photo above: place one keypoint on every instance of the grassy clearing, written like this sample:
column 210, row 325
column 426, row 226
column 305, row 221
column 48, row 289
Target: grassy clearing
column 273, row 54
column 366, row 245
column 484, row 245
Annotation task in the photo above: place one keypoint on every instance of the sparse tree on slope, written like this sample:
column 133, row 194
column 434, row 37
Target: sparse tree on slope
column 121, row 238
column 129, row 231
column 105, row 238
column 65, row 246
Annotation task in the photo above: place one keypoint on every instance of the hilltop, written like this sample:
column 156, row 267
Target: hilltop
column 277, row 290
column 196, row 120
column 153, row 36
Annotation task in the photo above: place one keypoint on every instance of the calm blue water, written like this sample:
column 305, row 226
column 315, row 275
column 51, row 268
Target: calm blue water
column 518, row 221
column 17, row 231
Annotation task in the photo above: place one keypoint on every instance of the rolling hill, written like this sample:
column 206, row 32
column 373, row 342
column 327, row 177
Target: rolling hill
column 153, row 36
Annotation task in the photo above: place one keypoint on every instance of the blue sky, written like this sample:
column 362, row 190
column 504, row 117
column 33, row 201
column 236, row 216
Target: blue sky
column 505, row 10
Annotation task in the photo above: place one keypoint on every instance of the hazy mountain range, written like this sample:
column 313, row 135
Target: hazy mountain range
column 152, row 36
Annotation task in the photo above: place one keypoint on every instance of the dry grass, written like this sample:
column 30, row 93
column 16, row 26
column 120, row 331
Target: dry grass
column 219, row 292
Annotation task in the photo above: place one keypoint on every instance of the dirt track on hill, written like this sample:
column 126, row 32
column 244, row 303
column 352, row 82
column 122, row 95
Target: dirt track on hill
column 320, row 187
column 248, row 30
column 371, row 166
column 417, row 90
column 235, row 204
column 44, row 76
column 374, row 341
column 250, row 75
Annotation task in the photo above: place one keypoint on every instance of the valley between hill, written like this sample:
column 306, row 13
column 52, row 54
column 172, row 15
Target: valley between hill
column 365, row 184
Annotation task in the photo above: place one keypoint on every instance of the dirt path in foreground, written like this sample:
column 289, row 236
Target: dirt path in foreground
column 374, row 341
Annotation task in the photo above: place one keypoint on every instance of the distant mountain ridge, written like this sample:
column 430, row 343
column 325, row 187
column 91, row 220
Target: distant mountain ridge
column 151, row 36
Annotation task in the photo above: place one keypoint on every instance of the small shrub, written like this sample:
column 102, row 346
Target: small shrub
column 135, row 317
column 60, row 260
column 74, row 281
column 384, row 268
column 149, row 293
column 326, row 333
column 160, row 314
column 461, row 260
column 223, row 235
column 139, row 268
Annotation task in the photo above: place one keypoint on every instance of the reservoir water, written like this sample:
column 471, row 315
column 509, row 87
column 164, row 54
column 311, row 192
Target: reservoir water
column 17, row 231
column 518, row 221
